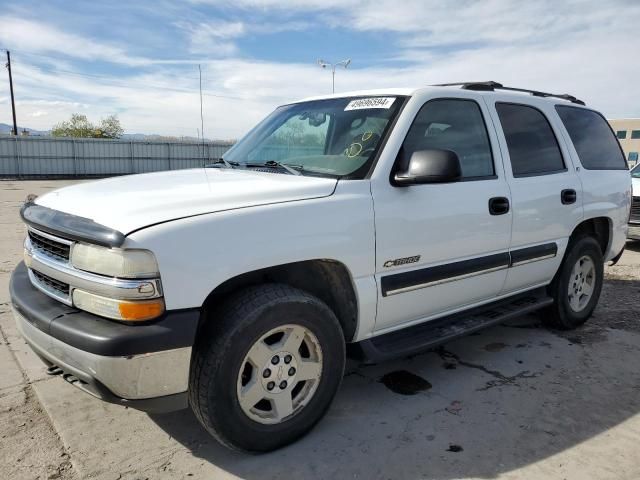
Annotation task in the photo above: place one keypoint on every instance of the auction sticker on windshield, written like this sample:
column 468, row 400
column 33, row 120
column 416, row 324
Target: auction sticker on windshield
column 373, row 102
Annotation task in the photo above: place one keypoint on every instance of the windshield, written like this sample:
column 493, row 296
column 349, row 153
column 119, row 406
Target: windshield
column 335, row 137
column 635, row 172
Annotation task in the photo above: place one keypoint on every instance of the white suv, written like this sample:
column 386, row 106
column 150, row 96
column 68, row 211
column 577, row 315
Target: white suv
column 392, row 220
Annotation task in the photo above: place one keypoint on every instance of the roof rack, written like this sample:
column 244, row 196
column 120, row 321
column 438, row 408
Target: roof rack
column 491, row 86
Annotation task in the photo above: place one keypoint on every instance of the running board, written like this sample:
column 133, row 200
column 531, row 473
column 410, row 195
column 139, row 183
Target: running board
column 427, row 335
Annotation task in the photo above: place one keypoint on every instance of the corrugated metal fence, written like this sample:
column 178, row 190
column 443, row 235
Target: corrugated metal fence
column 48, row 156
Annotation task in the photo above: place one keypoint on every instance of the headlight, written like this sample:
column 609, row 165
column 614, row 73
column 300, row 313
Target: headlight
column 123, row 310
column 123, row 263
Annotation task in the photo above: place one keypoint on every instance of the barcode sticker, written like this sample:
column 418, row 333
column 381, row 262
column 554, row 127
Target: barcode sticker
column 373, row 102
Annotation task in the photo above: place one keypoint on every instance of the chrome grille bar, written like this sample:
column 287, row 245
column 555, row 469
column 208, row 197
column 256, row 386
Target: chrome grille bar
column 57, row 248
column 50, row 287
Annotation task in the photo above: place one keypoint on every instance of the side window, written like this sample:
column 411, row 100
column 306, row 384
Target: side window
column 592, row 138
column 533, row 147
column 452, row 124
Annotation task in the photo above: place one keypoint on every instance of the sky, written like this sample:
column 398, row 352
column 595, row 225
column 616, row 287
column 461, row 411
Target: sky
column 139, row 59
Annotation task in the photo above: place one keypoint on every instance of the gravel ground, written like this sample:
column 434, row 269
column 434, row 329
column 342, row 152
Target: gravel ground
column 30, row 446
column 516, row 401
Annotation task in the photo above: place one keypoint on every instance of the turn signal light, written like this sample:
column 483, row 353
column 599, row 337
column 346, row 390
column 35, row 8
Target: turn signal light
column 137, row 311
column 123, row 310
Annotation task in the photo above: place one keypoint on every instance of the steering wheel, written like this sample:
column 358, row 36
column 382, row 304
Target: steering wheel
column 362, row 145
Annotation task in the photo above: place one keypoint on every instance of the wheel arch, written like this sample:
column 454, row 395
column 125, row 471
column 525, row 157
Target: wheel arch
column 601, row 228
column 327, row 279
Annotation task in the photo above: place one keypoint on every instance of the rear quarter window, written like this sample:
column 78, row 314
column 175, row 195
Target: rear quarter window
column 593, row 139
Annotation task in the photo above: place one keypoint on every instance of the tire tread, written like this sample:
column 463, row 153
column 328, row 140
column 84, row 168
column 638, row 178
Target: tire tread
column 212, row 346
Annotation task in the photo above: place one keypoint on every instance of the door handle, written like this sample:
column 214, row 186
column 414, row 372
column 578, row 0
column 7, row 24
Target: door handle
column 498, row 205
column 568, row 196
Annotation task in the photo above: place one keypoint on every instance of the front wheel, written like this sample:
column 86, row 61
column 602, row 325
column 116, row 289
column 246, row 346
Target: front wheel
column 267, row 368
column 577, row 285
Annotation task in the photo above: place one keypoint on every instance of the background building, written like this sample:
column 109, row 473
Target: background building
column 628, row 133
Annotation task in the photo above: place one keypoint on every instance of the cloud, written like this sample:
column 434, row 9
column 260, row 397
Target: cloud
column 580, row 47
column 286, row 5
column 213, row 38
column 38, row 36
column 460, row 22
column 31, row 37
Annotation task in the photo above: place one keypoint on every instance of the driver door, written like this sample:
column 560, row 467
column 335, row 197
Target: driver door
column 439, row 248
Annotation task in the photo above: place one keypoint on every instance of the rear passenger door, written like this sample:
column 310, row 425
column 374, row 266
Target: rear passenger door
column 546, row 193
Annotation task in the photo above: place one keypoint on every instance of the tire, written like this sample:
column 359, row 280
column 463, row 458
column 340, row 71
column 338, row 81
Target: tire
column 225, row 379
column 572, row 308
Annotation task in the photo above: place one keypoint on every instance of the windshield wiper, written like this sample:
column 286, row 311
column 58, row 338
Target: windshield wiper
column 275, row 164
column 226, row 163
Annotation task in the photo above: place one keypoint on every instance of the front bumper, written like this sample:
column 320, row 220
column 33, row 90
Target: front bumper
column 143, row 366
column 634, row 231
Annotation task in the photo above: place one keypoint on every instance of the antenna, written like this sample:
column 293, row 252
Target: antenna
column 201, row 115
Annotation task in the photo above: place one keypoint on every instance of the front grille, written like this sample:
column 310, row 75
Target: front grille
column 635, row 209
column 49, row 283
column 57, row 250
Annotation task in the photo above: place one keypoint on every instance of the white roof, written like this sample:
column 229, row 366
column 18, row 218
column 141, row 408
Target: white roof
column 360, row 93
column 412, row 91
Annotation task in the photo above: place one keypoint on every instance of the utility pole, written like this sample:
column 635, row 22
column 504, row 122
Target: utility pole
column 13, row 103
column 201, row 116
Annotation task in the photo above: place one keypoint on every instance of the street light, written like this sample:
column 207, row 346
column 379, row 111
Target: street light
column 343, row 63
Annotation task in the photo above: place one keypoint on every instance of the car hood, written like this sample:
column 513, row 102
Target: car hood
column 131, row 202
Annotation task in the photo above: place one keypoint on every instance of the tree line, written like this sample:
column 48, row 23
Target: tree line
column 79, row 126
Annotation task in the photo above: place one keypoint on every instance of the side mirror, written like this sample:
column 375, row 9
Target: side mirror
column 430, row 166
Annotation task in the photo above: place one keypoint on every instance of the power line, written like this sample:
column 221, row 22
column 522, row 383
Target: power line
column 114, row 83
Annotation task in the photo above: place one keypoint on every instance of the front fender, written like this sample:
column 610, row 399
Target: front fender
column 197, row 254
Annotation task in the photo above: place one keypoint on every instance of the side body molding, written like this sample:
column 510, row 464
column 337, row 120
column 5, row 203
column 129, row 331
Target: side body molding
column 450, row 272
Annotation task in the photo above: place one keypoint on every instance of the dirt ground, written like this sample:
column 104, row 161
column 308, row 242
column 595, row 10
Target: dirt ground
column 516, row 401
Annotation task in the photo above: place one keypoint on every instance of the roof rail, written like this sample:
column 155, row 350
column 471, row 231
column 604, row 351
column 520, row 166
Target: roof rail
column 491, row 86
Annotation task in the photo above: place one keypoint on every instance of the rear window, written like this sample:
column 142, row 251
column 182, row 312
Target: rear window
column 533, row 148
column 593, row 139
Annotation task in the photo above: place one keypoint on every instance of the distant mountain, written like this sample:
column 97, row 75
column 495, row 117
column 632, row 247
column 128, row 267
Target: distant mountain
column 6, row 130
column 160, row 138
column 133, row 136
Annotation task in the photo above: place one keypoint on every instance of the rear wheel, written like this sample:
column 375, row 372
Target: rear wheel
column 267, row 368
column 577, row 285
